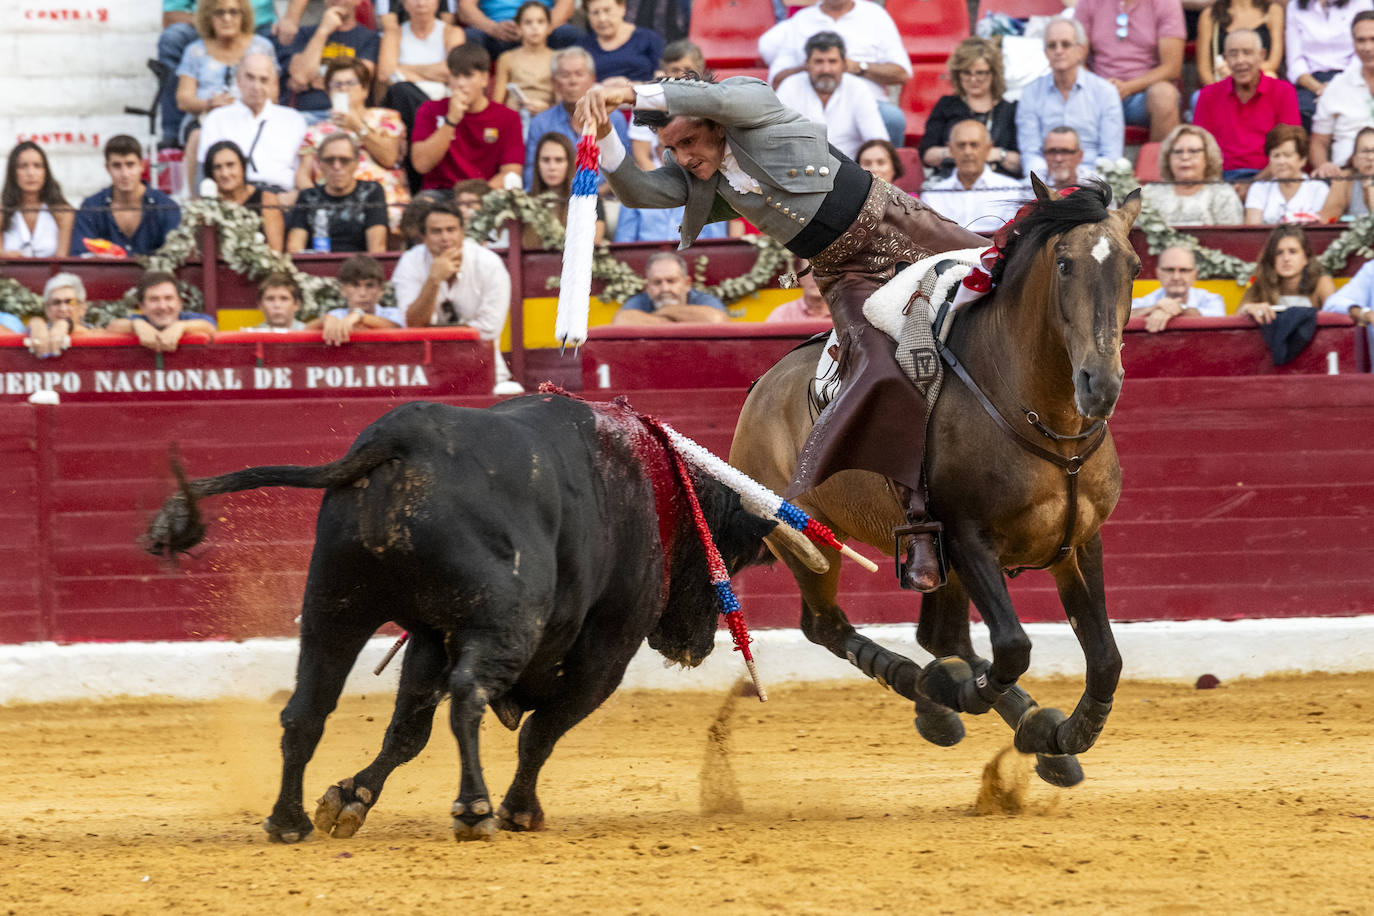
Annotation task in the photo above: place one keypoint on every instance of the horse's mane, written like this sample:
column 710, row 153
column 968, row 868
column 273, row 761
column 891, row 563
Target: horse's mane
column 1045, row 219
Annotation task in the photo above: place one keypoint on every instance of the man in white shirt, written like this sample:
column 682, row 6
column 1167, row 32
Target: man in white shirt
column 974, row 195
column 269, row 134
column 1177, row 272
column 450, row 280
column 875, row 51
column 1345, row 105
column 828, row 95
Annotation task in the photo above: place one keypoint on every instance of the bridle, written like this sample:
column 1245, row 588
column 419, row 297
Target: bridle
column 1093, row 438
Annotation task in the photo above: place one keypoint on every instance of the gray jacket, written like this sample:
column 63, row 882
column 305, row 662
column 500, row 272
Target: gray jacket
column 784, row 152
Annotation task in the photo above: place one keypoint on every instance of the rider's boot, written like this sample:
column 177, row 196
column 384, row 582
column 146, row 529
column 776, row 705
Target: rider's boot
column 918, row 547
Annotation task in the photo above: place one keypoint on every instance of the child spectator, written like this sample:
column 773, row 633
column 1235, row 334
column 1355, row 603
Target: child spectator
column 161, row 321
column 363, row 281
column 554, row 161
column 523, row 74
column 279, row 299
column 466, row 135
column 1289, row 196
column 35, row 219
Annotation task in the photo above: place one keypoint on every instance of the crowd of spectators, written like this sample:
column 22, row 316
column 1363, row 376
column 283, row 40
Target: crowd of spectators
column 329, row 132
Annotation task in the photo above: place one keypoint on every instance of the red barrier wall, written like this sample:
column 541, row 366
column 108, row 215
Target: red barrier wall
column 1246, row 495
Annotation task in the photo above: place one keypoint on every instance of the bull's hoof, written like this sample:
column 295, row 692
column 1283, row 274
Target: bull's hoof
column 521, row 820
column 342, row 809
column 279, row 831
column 1036, row 732
column 941, row 727
column 1059, row 769
column 940, row 680
column 473, row 821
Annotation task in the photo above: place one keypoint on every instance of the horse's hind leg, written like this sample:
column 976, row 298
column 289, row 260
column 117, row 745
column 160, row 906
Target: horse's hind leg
column 943, row 632
column 826, row 625
column 1083, row 594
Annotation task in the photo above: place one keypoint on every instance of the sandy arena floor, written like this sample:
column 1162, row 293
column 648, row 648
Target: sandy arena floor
column 1257, row 797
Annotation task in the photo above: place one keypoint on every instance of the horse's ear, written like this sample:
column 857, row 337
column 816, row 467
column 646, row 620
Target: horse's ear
column 1130, row 208
column 1042, row 193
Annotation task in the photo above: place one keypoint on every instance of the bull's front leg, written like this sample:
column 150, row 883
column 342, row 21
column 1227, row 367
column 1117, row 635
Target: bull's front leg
column 345, row 805
column 1083, row 593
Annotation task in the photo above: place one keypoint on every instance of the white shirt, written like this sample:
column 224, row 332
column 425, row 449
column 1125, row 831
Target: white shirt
column 986, row 207
column 870, row 36
column 478, row 295
column 274, row 157
column 1342, row 109
column 41, row 243
column 1303, row 207
column 850, row 115
column 1208, row 304
column 394, row 314
column 1317, row 39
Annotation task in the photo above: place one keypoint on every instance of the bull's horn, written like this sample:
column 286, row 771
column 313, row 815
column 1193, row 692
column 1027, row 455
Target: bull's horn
column 785, row 537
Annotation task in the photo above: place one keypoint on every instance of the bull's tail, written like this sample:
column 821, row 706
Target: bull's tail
column 177, row 526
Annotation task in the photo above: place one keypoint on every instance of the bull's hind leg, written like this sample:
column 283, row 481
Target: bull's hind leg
column 489, row 663
column 345, row 805
column 1083, row 594
column 327, row 654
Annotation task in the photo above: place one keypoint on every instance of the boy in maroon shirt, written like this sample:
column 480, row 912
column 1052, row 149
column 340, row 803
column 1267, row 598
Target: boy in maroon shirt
column 466, row 135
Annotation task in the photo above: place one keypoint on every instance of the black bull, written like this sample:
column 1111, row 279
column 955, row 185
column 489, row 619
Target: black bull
column 528, row 549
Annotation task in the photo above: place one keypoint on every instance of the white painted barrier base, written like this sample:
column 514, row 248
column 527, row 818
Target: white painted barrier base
column 258, row 668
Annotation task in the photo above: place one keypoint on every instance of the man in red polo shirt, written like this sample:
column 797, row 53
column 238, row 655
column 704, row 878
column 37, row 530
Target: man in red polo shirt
column 466, row 135
column 1239, row 110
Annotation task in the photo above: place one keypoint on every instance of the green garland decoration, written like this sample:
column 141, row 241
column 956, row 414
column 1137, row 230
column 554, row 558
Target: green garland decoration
column 1213, row 264
column 622, row 281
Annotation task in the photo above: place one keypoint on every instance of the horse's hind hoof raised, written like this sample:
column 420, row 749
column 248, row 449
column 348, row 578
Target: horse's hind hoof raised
column 1036, row 733
column 938, row 724
column 940, row 680
column 1059, row 769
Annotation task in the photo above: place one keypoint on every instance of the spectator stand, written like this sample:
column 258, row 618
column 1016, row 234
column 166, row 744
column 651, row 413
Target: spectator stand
column 728, row 31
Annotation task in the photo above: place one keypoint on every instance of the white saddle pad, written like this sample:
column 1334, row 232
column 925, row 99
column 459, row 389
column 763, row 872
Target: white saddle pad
column 884, row 308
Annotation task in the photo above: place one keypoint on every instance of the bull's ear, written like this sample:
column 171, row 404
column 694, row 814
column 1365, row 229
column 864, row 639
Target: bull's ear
column 1130, row 208
column 1042, row 193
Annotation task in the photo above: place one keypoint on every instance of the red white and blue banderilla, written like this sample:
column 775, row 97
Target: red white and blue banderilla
column 575, row 284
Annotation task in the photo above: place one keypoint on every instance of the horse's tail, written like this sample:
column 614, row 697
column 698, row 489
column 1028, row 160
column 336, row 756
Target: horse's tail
column 177, row 526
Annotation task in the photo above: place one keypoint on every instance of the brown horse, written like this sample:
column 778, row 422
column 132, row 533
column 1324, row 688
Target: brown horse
column 1021, row 471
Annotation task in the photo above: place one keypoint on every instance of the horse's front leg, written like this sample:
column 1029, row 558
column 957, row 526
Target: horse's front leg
column 1083, row 594
column 951, row 681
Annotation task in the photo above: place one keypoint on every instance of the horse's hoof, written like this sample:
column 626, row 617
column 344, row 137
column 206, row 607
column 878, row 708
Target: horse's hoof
column 940, row 680
column 520, row 820
column 940, row 727
column 1059, row 770
column 1036, row 733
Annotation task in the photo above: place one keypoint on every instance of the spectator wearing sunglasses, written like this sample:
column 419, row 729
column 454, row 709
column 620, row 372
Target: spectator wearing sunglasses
column 354, row 211
column 1069, row 96
column 1137, row 46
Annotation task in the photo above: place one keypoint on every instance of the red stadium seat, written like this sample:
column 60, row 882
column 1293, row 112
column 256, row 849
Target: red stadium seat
column 913, row 174
column 929, row 28
column 1137, row 136
column 1021, row 9
column 728, row 31
column 929, row 81
column 1147, row 163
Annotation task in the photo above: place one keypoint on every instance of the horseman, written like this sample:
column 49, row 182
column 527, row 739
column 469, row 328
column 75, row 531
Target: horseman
column 732, row 149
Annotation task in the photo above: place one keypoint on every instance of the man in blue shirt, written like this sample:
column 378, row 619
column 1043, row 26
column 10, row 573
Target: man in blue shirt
column 1071, row 96
column 161, row 322
column 130, row 214
column 668, row 297
column 573, row 74
column 337, row 35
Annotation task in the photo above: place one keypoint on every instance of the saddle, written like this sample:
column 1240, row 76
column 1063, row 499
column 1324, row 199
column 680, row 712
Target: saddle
column 896, row 310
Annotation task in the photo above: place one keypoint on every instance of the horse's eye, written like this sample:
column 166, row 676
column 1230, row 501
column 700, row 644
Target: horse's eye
column 1063, row 265
column 1137, row 269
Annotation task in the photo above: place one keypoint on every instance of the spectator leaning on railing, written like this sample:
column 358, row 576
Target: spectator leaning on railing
column 1177, row 295
column 363, row 282
column 1194, row 195
column 129, row 214
column 64, row 316
column 35, row 219
column 668, row 297
column 1286, row 276
column 161, row 323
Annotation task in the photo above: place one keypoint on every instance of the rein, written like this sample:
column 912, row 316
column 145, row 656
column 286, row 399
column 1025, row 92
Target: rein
column 1094, row 434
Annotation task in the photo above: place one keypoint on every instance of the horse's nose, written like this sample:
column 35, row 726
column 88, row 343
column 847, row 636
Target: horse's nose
column 1096, row 391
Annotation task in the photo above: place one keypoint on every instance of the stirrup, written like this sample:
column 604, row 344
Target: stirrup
column 929, row 526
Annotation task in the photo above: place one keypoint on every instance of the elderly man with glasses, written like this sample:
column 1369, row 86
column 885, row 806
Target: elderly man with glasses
column 1069, row 96
column 1177, row 295
column 1241, row 109
column 1064, row 159
column 64, row 307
